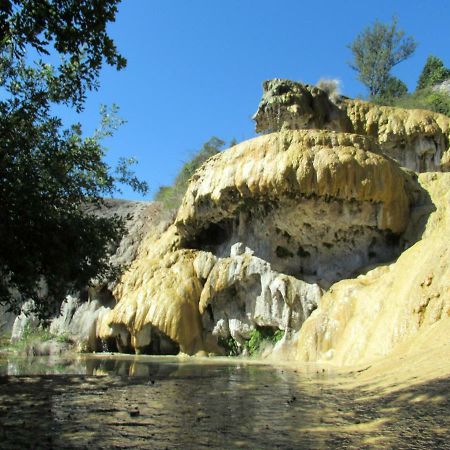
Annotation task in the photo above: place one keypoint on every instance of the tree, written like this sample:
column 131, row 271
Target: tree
column 433, row 72
column 48, row 173
column 394, row 88
column 376, row 51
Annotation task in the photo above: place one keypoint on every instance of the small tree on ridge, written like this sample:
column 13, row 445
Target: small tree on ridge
column 376, row 51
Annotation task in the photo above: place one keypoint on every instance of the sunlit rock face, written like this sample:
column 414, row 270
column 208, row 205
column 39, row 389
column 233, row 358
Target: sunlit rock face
column 263, row 228
column 274, row 232
column 416, row 139
column 392, row 307
column 316, row 205
column 287, row 105
column 242, row 293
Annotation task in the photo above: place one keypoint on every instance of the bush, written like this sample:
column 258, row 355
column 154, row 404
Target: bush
column 229, row 345
column 262, row 336
column 171, row 196
column 394, row 88
column 424, row 99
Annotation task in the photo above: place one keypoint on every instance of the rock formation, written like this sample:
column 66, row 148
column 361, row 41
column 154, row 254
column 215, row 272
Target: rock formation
column 416, row 139
column 366, row 318
column 295, row 233
column 270, row 225
column 81, row 310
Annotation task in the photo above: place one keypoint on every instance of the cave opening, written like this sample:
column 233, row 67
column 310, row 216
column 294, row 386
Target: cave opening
column 212, row 236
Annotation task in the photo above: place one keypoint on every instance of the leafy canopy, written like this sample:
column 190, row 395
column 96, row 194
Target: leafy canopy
column 393, row 88
column 376, row 51
column 48, row 173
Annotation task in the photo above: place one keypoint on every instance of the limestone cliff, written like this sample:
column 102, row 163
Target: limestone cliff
column 416, row 139
column 238, row 256
column 366, row 318
column 299, row 230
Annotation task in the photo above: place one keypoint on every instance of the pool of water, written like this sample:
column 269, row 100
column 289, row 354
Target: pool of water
column 158, row 403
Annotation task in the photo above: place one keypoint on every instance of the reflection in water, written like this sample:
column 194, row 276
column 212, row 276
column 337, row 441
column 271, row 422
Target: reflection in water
column 145, row 402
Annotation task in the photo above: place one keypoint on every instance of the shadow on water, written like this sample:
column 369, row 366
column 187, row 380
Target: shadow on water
column 169, row 403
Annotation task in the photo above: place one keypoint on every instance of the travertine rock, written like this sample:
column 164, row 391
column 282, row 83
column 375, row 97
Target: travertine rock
column 162, row 292
column 416, row 139
column 312, row 203
column 266, row 226
column 27, row 321
column 366, row 318
column 317, row 205
column 243, row 292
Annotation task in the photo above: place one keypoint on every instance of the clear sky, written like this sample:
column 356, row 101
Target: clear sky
column 195, row 67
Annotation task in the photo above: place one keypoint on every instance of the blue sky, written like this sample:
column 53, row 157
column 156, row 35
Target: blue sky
column 195, row 67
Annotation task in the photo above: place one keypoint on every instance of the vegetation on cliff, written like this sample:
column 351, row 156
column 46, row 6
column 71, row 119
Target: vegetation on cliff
column 428, row 94
column 171, row 196
column 381, row 47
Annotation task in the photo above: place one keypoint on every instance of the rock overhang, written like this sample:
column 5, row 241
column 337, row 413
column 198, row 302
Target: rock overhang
column 296, row 164
column 298, row 199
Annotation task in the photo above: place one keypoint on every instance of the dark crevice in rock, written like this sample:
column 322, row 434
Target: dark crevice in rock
column 157, row 343
column 322, row 238
column 211, row 237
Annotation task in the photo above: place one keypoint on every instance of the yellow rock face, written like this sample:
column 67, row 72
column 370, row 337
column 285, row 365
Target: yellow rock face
column 161, row 289
column 169, row 286
column 266, row 226
column 295, row 163
column 366, row 318
column 417, row 139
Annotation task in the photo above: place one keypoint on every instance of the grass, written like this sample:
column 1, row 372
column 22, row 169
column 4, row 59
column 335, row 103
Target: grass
column 30, row 336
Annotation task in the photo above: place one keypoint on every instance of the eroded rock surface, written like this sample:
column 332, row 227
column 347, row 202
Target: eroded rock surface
column 416, row 139
column 312, row 203
column 262, row 229
column 369, row 317
column 274, row 232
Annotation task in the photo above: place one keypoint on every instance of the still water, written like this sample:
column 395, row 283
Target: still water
column 158, row 403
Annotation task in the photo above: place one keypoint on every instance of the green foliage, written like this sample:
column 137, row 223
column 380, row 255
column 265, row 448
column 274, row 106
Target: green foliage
column 260, row 337
column 229, row 345
column 394, row 88
column 48, row 173
column 63, row 338
column 434, row 72
column 171, row 196
column 41, row 334
column 424, row 99
column 75, row 29
column 31, row 339
column 376, row 51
